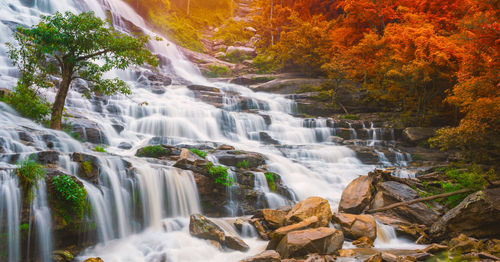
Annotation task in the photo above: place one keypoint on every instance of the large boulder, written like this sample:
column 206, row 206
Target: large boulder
column 266, row 256
column 415, row 135
column 277, row 235
column 477, row 215
column 357, row 226
column 357, row 195
column 390, row 192
column 312, row 206
column 191, row 161
column 233, row 157
column 204, row 228
column 323, row 240
column 274, row 218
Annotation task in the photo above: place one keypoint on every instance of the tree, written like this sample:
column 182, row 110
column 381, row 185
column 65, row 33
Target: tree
column 73, row 47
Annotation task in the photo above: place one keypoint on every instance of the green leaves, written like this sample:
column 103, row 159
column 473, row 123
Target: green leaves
column 220, row 174
column 29, row 172
column 74, row 46
column 70, row 195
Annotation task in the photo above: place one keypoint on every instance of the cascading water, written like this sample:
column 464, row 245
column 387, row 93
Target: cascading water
column 140, row 208
column 10, row 208
column 42, row 222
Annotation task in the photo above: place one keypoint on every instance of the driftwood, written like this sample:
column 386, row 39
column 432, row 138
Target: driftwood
column 461, row 191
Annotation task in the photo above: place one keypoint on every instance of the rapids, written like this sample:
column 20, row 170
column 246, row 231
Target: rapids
column 308, row 164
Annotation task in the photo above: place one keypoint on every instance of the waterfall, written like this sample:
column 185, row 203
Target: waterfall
column 42, row 220
column 139, row 206
column 10, row 208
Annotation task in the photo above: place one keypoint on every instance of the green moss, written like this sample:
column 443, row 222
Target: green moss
column 153, row 151
column 243, row 164
column 200, row 153
column 70, row 197
column 100, row 149
column 24, row 227
column 87, row 167
column 220, row 174
column 270, row 177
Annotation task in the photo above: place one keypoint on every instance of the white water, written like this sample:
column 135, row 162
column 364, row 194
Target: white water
column 10, row 207
column 140, row 212
column 42, row 222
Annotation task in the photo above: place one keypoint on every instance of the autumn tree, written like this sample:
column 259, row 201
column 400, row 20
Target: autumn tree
column 73, row 47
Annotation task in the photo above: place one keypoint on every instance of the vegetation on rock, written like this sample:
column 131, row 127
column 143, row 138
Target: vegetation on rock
column 153, row 151
column 220, row 175
column 70, row 197
column 29, row 172
column 198, row 152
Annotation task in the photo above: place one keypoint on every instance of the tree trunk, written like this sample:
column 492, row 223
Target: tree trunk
column 58, row 106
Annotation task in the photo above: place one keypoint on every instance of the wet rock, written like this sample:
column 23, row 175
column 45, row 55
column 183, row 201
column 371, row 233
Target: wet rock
column 356, row 226
column 233, row 157
column 388, row 257
column 225, row 147
column 240, row 51
column 267, row 139
column 190, row 161
column 335, row 139
column 434, row 248
column 118, row 128
column 62, row 255
column 277, row 235
column 25, row 137
column 374, row 258
column 312, row 206
column 48, row 157
column 392, row 192
column 149, row 78
column 249, row 80
column 153, row 152
column 204, row 228
column 363, row 242
column 203, row 88
column 266, row 256
column 321, row 240
column 159, row 90
column 87, row 130
column 357, row 195
column 236, row 243
column 125, row 146
column 88, row 166
column 416, row 135
column 477, row 216
column 267, row 119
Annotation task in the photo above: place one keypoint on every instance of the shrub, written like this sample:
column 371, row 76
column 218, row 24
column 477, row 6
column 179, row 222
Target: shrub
column 29, row 172
column 217, row 71
column 265, row 64
column 233, row 31
column 200, row 153
column 99, row 149
column 153, row 151
column 71, row 197
column 270, row 180
column 29, row 103
column 243, row 164
column 349, row 117
column 220, row 174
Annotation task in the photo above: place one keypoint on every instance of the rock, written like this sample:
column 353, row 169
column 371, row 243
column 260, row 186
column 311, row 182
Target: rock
column 277, row 235
column 323, row 240
column 225, row 147
column 250, row 29
column 274, row 218
column 215, row 244
column 484, row 255
column 346, row 253
column 93, row 259
column 48, row 157
column 87, row 130
column 190, row 161
column 240, row 51
column 249, row 80
column 416, row 135
column 64, row 255
column 88, row 166
column 363, row 242
column 265, row 138
column 204, row 228
column 158, row 90
column 477, row 216
column 312, row 206
column 434, row 248
column 203, row 88
column 356, row 196
column 388, row 257
column 391, row 192
column 335, row 139
column 266, row 256
column 236, row 243
column 25, row 137
column 125, row 146
column 233, row 157
column 464, row 244
column 356, row 226
column 238, row 224
column 375, row 258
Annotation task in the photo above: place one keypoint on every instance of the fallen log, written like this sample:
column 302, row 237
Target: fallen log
column 461, row 191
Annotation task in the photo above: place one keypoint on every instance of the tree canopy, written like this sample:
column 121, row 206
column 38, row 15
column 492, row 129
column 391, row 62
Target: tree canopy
column 75, row 46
